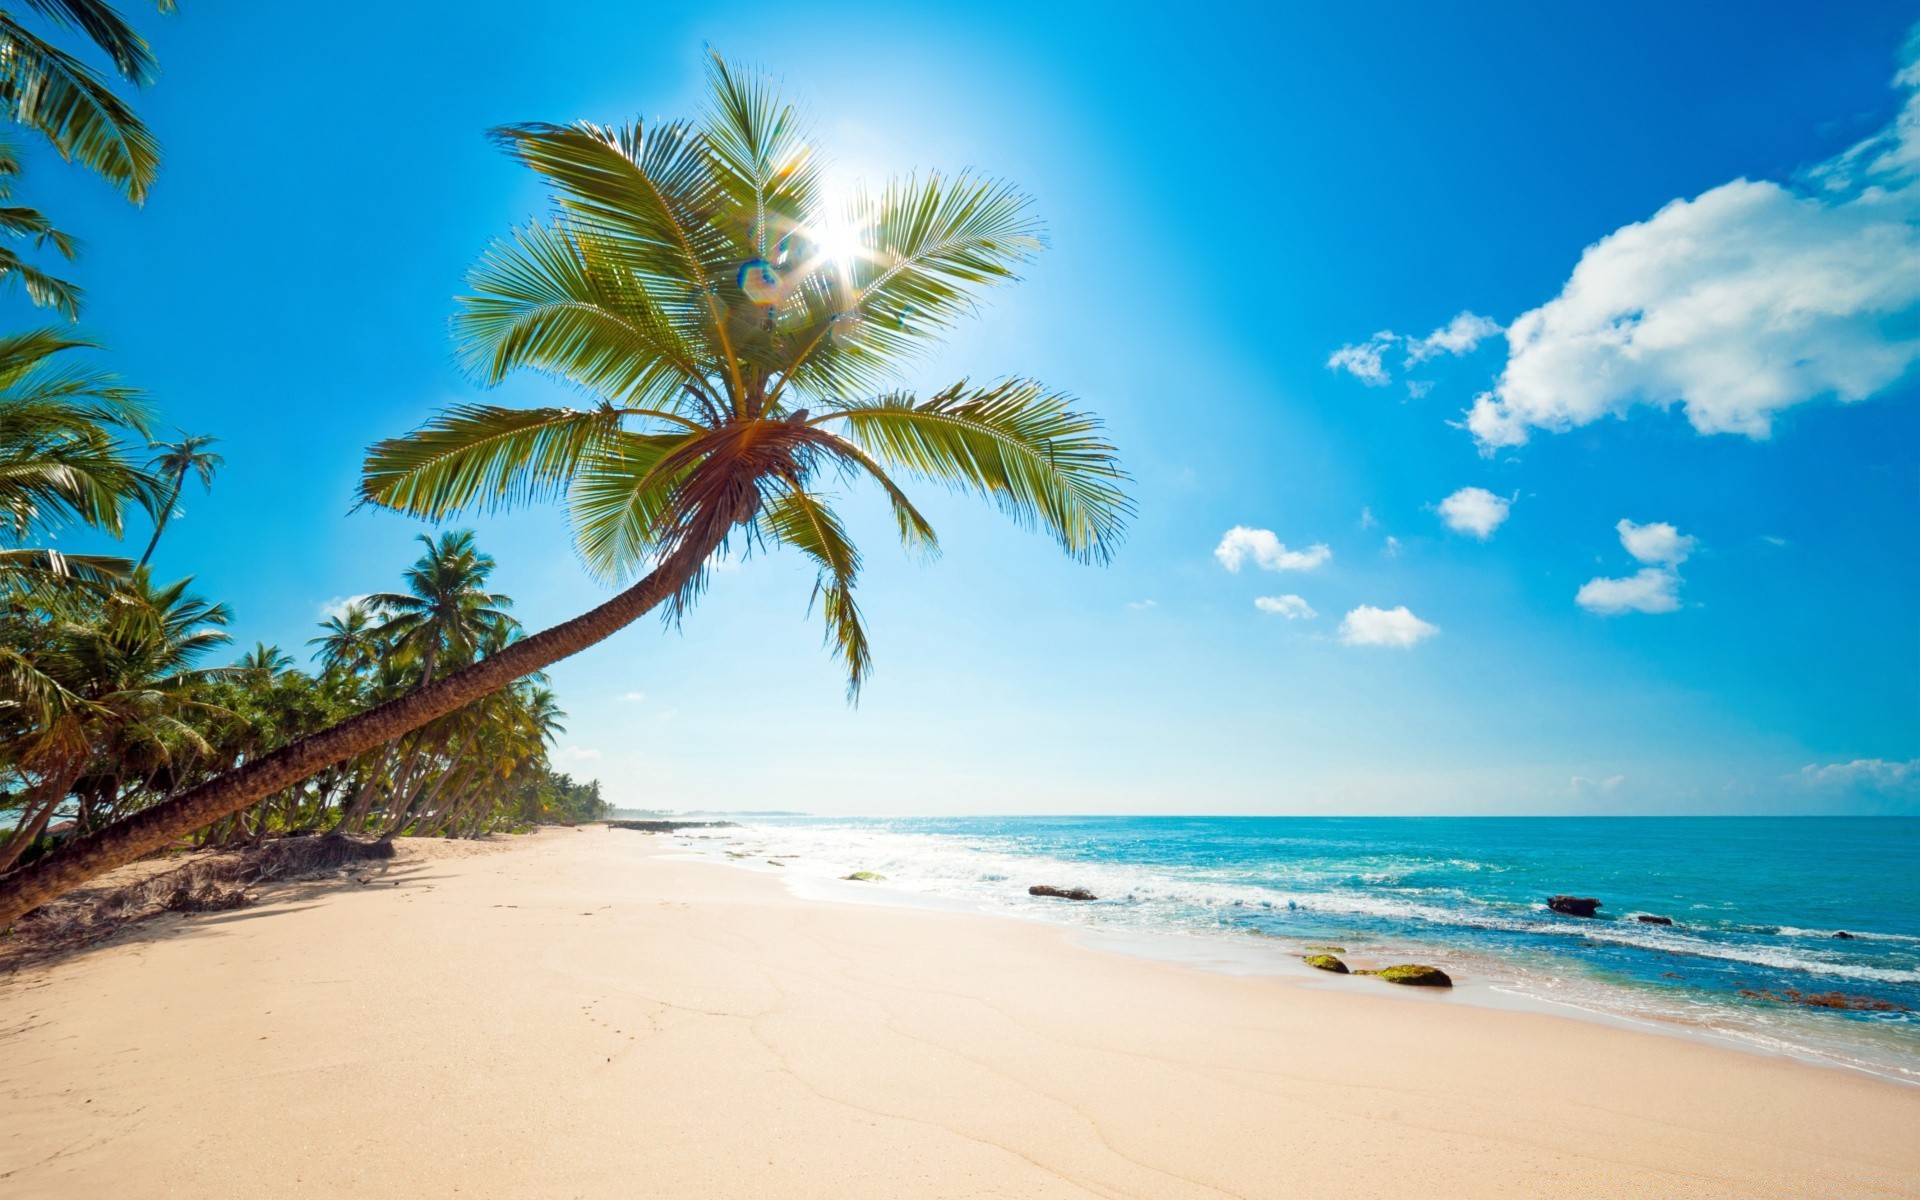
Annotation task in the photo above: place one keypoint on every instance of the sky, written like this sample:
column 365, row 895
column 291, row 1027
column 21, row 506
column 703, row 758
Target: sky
column 1520, row 399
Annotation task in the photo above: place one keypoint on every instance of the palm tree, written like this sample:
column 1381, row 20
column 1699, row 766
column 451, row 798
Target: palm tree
column 21, row 221
column 740, row 330
column 444, row 610
column 350, row 641
column 173, row 463
column 68, row 103
column 112, row 679
column 62, row 460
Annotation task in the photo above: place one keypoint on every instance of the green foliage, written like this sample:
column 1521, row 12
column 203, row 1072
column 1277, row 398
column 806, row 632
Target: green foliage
column 740, row 332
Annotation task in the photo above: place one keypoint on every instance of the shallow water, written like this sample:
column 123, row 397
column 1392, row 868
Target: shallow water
column 1755, row 902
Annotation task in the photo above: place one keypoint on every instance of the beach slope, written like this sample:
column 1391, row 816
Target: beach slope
column 575, row 1014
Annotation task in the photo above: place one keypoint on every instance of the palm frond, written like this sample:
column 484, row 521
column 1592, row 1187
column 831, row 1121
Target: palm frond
column 622, row 500
column 803, row 520
column 107, row 29
column 1040, row 460
column 46, row 291
column 485, row 455
column 56, row 95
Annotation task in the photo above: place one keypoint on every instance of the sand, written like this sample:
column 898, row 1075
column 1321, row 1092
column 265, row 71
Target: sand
column 575, row 1014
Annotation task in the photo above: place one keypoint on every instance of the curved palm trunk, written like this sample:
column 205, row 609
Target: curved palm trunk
column 150, row 829
column 160, row 522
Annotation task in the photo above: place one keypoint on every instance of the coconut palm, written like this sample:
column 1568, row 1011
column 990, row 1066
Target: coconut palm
column 174, row 462
column 350, row 640
column 49, row 91
column 445, row 610
column 740, row 330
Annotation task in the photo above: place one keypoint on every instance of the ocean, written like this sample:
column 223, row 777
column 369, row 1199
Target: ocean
column 1755, row 903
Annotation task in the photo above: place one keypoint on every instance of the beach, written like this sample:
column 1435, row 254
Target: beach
column 584, row 1013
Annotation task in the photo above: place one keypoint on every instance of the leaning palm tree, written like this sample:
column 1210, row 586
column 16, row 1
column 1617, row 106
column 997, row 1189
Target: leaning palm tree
column 174, row 463
column 741, row 331
column 49, row 91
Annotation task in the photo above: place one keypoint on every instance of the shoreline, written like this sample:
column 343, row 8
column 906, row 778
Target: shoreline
column 1520, row 979
column 582, row 1012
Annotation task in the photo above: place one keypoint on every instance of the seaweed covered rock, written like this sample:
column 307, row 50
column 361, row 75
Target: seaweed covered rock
column 865, row 877
column 1415, row 975
column 1650, row 919
column 1574, row 906
column 1326, row 962
column 1843, row 935
column 1042, row 889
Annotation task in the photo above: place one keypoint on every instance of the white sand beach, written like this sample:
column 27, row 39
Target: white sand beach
column 577, row 1014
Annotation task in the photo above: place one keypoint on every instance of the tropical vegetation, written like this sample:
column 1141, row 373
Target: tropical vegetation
column 738, row 333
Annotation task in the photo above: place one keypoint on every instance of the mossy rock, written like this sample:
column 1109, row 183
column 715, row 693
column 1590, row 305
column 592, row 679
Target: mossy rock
column 1327, row 962
column 1326, row 949
column 1415, row 975
column 865, row 877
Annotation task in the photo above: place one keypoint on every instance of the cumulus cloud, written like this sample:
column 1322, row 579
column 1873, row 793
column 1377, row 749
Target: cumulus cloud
column 1656, row 542
column 1651, row 590
column 1267, row 551
column 1366, row 361
column 336, row 608
column 1362, row 361
column 1474, row 511
column 1293, row 608
column 1462, row 335
column 1736, row 305
column 1370, row 626
column 1877, row 774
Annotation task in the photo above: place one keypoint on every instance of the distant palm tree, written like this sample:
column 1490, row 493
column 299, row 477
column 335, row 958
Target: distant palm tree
column 444, row 611
column 62, row 460
column 742, row 329
column 65, row 101
column 351, row 640
column 175, row 460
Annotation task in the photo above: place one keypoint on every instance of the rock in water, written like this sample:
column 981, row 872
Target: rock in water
column 1574, row 906
column 1650, row 919
column 1041, row 889
column 1843, row 935
column 1327, row 962
column 865, row 877
column 1414, row 975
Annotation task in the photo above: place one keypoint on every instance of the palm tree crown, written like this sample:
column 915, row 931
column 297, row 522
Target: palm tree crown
column 741, row 331
column 174, row 462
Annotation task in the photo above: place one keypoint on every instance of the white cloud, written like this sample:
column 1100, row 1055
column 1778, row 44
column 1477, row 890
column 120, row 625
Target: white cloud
column 1292, row 607
column 1474, row 511
column 1267, row 551
column 1657, row 543
column 1370, row 626
column 1418, row 388
column 1367, row 520
column 1651, row 590
column 1362, row 361
column 1392, row 547
column 1738, row 304
column 337, row 607
column 1366, row 361
column 1878, row 774
column 634, row 697
column 1581, row 785
column 1139, row 605
column 1459, row 336
column 577, row 754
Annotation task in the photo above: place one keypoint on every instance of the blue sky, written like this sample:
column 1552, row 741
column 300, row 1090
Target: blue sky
column 1233, row 198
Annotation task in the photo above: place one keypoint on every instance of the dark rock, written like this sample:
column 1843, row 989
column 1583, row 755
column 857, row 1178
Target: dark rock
column 1843, row 935
column 1327, row 962
column 1574, row 906
column 1650, row 919
column 1041, row 889
column 1414, row 975
column 1837, row 1000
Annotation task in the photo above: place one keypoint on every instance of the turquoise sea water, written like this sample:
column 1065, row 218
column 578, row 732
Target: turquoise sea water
column 1755, row 902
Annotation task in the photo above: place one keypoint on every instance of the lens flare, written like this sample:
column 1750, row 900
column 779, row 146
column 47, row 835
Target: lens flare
column 760, row 281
